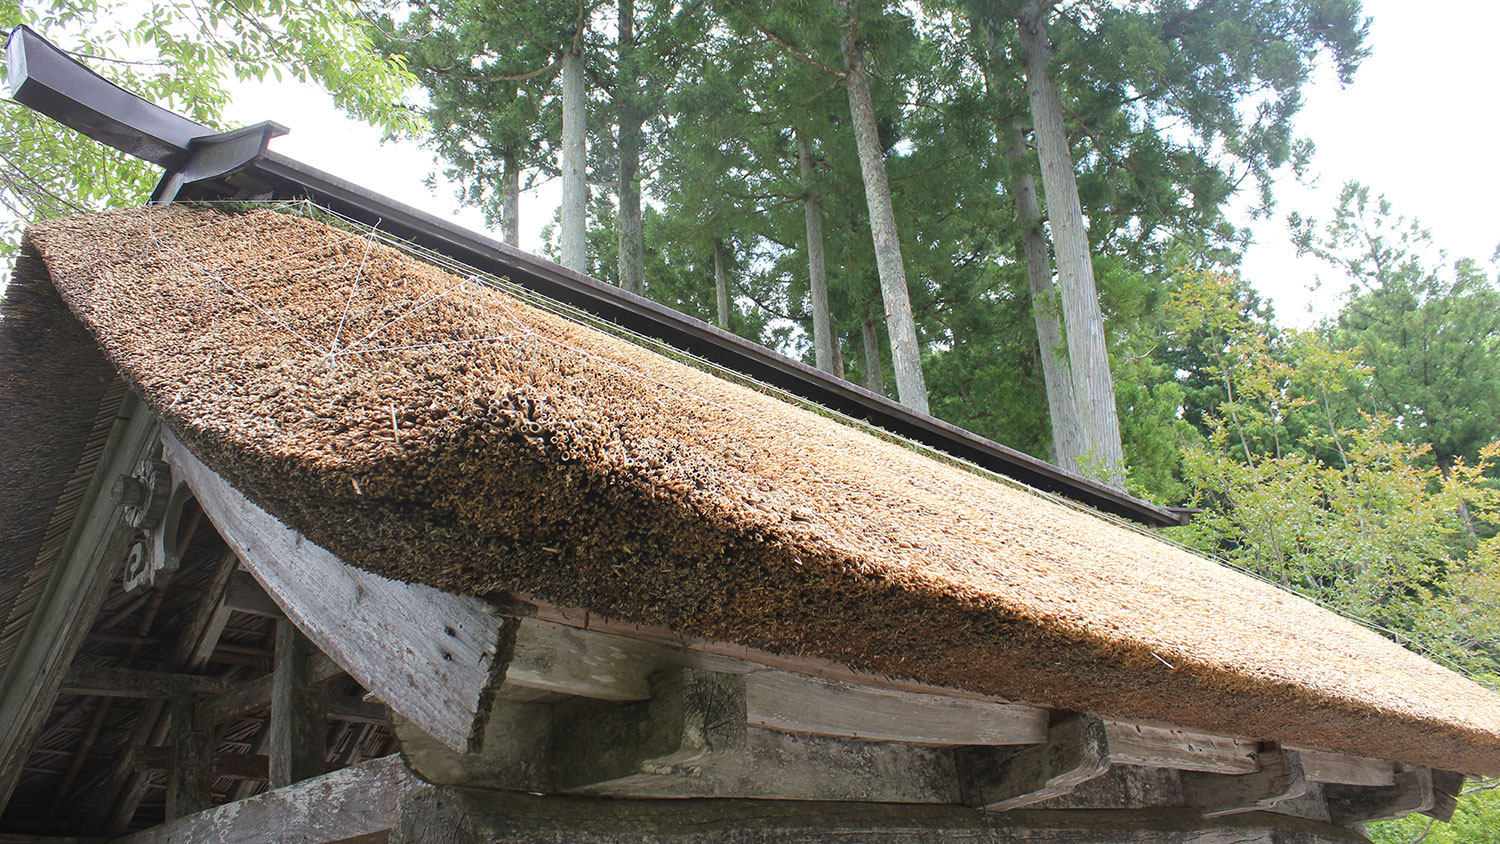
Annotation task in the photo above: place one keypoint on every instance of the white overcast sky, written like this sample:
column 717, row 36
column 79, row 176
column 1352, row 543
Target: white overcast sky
column 1418, row 124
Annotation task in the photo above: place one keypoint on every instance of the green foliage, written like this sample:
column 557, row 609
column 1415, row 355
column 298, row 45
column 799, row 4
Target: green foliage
column 1430, row 334
column 1475, row 822
column 1349, row 514
column 179, row 54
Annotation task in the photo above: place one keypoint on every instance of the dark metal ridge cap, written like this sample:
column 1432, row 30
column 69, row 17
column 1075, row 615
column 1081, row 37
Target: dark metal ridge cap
column 290, row 179
column 46, row 79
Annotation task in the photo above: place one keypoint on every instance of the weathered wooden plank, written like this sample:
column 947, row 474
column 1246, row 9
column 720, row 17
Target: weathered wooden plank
column 556, row 658
column 1280, row 778
column 93, row 551
column 250, row 696
column 244, row 594
column 723, row 656
column 1076, row 751
column 1351, row 804
column 1153, row 746
column 243, row 767
column 436, row 816
column 298, row 732
column 101, row 681
column 779, row 700
column 788, row 766
column 1321, row 766
column 514, row 818
column 690, row 739
column 427, row 654
column 352, row 802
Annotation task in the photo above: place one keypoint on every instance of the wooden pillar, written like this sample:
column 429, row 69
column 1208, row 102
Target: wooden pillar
column 297, row 731
column 190, row 789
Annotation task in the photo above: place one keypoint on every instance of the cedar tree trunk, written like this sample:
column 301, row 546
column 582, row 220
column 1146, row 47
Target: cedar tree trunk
column 1067, row 442
column 631, row 262
column 575, row 190
column 1093, row 392
column 817, row 273
column 906, row 356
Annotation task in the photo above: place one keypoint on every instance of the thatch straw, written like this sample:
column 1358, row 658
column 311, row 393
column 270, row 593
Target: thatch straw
column 429, row 429
column 58, row 396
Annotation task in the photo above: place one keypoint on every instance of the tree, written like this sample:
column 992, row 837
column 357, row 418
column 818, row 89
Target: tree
column 1116, row 76
column 182, row 55
column 1429, row 333
column 906, row 353
column 1093, row 391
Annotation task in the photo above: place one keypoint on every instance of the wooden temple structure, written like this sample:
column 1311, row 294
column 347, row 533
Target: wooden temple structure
column 325, row 521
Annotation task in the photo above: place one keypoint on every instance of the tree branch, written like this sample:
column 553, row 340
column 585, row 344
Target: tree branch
column 786, row 45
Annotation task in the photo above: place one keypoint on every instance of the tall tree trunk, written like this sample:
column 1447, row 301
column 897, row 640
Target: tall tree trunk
column 510, row 205
column 575, row 189
column 817, row 272
column 1057, row 375
column 1093, row 392
column 906, row 356
column 838, row 360
column 874, row 378
column 631, row 263
column 721, row 284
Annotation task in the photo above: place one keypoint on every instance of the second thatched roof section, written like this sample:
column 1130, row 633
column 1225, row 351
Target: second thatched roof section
column 427, row 428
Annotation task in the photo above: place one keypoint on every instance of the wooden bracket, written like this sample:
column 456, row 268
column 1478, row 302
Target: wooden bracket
column 1412, row 792
column 1279, row 778
column 1447, row 786
column 1076, row 751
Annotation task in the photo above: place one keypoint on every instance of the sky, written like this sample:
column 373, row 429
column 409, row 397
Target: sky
column 1418, row 124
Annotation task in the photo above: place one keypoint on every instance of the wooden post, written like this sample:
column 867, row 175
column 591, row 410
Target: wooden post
column 297, row 729
column 190, row 789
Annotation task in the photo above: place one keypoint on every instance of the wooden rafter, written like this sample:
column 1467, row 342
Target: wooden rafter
column 75, row 592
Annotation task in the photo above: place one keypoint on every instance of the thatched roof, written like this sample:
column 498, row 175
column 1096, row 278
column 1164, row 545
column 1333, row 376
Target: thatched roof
column 427, row 428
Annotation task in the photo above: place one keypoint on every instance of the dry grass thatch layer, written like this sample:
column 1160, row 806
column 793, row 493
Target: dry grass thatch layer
column 58, row 398
column 428, row 429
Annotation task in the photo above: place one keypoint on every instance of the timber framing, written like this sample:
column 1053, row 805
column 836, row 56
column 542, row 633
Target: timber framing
column 555, row 707
column 94, row 550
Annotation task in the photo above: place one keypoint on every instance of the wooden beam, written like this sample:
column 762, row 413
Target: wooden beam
column 1412, row 792
column 479, row 815
column 1156, row 746
column 244, row 594
column 75, row 590
column 429, row 655
column 345, row 805
column 232, row 765
column 691, row 739
column 1321, row 766
column 1280, row 778
column 253, row 696
column 1076, row 751
column 780, row 700
column 554, row 658
column 436, row 816
column 101, row 681
column 297, row 727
